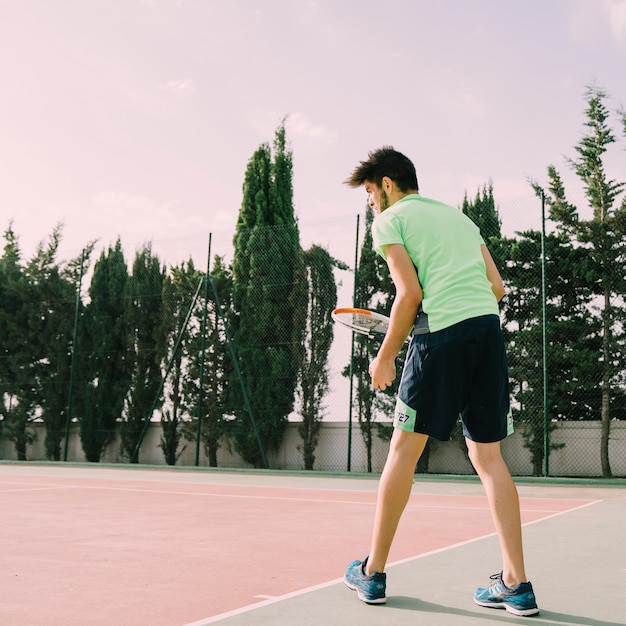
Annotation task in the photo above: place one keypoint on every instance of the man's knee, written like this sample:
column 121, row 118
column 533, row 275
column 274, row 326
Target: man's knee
column 408, row 444
column 482, row 455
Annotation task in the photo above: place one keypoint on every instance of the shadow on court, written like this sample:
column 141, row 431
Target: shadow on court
column 426, row 609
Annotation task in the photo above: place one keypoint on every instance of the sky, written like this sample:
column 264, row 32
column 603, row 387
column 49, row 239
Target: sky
column 136, row 118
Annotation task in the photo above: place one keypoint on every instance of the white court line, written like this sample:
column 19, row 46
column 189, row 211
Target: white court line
column 45, row 486
column 330, row 583
column 278, row 498
column 49, row 488
column 319, row 500
column 245, row 485
column 21, row 482
column 252, row 497
column 294, row 499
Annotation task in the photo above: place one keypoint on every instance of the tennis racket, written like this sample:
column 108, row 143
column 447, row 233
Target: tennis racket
column 363, row 321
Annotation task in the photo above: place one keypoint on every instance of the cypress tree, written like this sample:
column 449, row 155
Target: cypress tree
column 268, row 290
column 179, row 290
column 19, row 334
column 146, row 319
column 313, row 380
column 56, row 286
column 218, row 368
column 109, row 362
column 484, row 213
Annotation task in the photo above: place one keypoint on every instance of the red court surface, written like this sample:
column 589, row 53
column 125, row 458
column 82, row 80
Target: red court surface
column 84, row 545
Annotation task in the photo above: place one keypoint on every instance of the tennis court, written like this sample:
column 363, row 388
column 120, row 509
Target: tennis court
column 101, row 545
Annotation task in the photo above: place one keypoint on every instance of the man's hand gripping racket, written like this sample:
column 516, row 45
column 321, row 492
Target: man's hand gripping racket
column 373, row 325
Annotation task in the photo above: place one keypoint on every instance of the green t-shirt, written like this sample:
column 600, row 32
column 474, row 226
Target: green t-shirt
column 444, row 245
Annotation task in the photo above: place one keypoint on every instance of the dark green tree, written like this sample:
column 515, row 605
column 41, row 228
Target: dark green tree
column 107, row 342
column 18, row 334
column 8, row 260
column 313, row 379
column 179, row 291
column 484, row 213
column 38, row 321
column 269, row 289
column 571, row 335
column 603, row 237
column 56, row 286
column 147, row 326
column 209, row 400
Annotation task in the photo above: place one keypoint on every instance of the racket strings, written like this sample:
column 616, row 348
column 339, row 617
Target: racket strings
column 368, row 322
column 362, row 321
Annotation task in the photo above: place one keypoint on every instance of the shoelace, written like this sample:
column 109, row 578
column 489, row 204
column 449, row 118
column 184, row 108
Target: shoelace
column 497, row 578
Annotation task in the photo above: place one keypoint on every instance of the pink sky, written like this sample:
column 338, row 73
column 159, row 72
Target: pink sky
column 136, row 118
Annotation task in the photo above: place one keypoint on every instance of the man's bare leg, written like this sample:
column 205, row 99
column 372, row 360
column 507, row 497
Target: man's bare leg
column 504, row 504
column 393, row 494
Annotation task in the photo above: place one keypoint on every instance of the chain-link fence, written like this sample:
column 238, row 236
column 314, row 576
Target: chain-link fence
column 156, row 364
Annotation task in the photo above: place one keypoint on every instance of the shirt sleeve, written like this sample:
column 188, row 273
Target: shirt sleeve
column 385, row 230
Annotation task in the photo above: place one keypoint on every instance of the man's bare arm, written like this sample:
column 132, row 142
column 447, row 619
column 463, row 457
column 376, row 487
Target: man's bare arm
column 493, row 275
column 403, row 313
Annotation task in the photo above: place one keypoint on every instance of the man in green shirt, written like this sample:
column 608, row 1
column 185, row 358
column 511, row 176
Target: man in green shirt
column 447, row 294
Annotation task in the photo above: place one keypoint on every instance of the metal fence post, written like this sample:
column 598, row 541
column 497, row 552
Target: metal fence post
column 546, row 420
column 202, row 351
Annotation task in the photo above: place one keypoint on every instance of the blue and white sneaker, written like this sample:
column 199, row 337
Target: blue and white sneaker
column 519, row 601
column 370, row 589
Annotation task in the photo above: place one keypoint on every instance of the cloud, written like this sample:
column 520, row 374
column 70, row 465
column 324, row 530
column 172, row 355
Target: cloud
column 180, row 88
column 588, row 21
column 582, row 23
column 123, row 201
column 137, row 216
column 299, row 124
column 615, row 11
column 144, row 214
column 313, row 7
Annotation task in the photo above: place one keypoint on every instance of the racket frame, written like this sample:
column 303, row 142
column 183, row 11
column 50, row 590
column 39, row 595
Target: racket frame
column 339, row 315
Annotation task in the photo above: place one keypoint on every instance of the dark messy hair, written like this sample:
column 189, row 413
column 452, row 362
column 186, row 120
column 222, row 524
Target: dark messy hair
column 385, row 162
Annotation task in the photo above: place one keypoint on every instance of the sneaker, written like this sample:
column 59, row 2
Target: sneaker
column 370, row 589
column 519, row 601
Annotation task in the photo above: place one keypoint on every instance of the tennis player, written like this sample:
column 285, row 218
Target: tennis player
column 447, row 294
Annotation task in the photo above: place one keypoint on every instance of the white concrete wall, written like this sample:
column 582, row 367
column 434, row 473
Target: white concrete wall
column 580, row 456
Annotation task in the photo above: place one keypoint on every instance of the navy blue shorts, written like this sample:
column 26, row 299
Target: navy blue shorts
column 460, row 371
